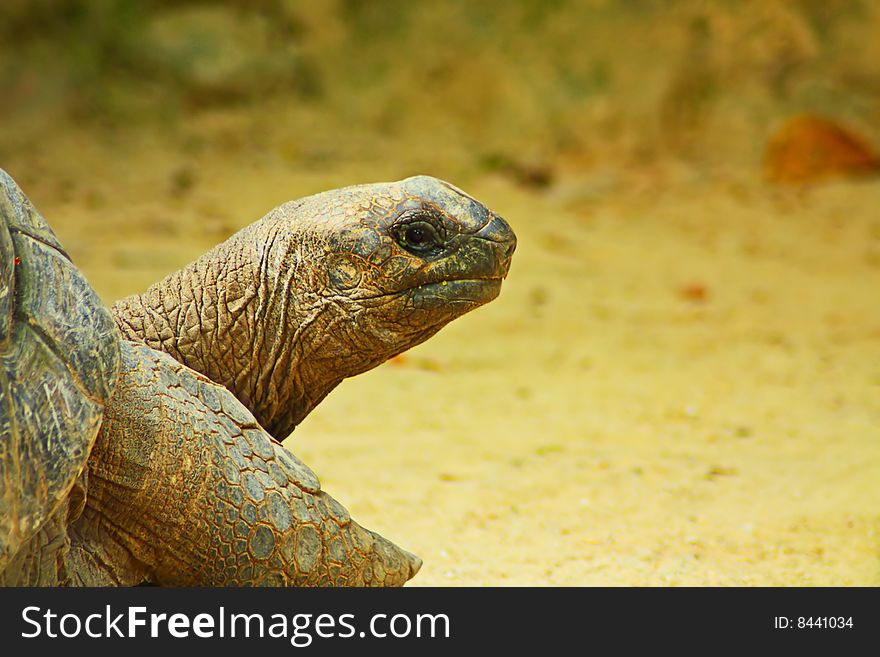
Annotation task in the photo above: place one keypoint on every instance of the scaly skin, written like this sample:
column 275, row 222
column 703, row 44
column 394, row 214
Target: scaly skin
column 322, row 289
column 182, row 484
column 185, row 489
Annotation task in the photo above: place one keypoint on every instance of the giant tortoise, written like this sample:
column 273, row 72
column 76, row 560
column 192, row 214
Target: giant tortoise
column 140, row 444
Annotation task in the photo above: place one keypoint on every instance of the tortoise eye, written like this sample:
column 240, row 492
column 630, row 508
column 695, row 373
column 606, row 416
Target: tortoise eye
column 418, row 237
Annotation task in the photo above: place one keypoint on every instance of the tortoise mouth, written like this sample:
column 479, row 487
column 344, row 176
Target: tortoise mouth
column 473, row 291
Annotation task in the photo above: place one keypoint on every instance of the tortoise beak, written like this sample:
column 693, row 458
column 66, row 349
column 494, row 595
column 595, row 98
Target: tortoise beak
column 498, row 231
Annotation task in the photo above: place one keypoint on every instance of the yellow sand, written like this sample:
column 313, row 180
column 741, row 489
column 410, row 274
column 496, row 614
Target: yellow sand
column 679, row 384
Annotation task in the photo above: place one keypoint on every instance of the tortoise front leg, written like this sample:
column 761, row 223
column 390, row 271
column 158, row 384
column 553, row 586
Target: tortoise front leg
column 185, row 488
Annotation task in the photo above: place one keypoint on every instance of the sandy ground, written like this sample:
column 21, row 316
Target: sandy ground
column 679, row 384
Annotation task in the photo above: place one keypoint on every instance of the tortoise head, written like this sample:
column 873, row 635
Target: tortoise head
column 364, row 273
column 394, row 262
column 324, row 288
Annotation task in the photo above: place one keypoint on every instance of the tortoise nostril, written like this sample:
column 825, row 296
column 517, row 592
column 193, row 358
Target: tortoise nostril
column 498, row 230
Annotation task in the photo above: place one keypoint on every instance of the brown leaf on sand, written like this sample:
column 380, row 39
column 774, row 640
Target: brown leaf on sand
column 694, row 292
column 810, row 148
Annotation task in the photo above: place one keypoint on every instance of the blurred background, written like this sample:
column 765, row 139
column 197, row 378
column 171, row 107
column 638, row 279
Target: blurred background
column 680, row 383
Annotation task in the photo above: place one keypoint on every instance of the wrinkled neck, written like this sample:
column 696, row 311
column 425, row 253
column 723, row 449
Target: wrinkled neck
column 236, row 316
